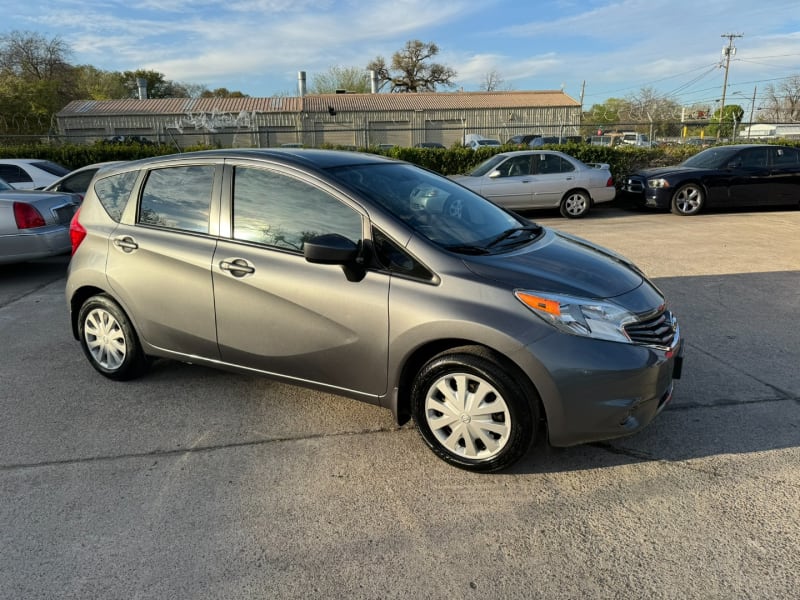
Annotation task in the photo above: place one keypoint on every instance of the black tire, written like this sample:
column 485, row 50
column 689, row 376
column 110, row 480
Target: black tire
column 575, row 204
column 489, row 435
column 688, row 200
column 108, row 339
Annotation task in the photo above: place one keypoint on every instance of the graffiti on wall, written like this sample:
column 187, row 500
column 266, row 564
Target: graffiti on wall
column 214, row 121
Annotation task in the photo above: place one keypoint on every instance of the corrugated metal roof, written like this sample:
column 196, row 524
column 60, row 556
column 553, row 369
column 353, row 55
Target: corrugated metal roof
column 340, row 102
column 174, row 106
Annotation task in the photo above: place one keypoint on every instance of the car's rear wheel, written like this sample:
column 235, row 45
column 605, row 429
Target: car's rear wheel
column 575, row 204
column 688, row 200
column 108, row 339
column 472, row 412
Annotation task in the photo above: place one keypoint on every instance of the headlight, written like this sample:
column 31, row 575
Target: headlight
column 579, row 316
column 657, row 183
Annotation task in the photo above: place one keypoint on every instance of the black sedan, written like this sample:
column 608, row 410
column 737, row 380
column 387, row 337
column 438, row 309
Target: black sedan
column 738, row 175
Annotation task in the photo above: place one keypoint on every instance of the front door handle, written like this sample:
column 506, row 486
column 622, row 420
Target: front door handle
column 238, row 267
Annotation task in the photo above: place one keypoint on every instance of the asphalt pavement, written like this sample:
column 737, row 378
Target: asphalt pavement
column 193, row 483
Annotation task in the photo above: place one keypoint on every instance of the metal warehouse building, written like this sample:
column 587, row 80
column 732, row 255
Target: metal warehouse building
column 343, row 119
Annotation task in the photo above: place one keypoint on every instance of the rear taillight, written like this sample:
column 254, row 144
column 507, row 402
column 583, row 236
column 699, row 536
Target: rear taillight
column 610, row 182
column 27, row 217
column 76, row 231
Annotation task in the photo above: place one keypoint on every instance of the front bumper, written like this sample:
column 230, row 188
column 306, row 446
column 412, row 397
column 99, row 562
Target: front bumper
column 601, row 390
column 636, row 190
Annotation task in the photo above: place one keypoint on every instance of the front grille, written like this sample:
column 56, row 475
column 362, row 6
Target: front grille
column 64, row 213
column 656, row 331
column 634, row 185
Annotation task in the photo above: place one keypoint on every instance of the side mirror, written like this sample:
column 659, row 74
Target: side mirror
column 494, row 174
column 330, row 249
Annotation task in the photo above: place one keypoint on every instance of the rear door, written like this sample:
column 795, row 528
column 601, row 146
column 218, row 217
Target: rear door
column 785, row 174
column 552, row 178
column 159, row 262
column 280, row 314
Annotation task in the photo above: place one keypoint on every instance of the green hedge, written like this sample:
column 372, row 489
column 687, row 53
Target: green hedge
column 450, row 161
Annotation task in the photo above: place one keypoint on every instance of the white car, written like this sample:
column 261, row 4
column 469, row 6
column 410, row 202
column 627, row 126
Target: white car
column 30, row 173
column 541, row 179
column 77, row 181
column 483, row 143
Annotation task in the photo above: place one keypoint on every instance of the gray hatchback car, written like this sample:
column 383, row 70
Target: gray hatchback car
column 374, row 279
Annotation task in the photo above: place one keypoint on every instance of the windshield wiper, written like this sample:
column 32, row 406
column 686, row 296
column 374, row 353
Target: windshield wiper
column 465, row 249
column 509, row 233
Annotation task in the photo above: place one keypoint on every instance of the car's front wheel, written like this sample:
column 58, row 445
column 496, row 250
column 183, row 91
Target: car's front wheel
column 687, row 200
column 575, row 204
column 108, row 339
column 472, row 412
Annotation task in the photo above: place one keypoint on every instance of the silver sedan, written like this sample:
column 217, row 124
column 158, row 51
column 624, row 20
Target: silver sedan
column 34, row 224
column 541, row 179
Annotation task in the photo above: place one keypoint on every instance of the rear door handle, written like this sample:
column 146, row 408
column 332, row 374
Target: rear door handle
column 238, row 267
column 126, row 243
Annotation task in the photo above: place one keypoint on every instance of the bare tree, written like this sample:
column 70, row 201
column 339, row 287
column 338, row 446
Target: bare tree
column 781, row 102
column 411, row 71
column 32, row 56
column 494, row 82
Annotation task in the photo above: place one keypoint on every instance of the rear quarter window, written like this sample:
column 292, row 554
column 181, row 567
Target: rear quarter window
column 114, row 191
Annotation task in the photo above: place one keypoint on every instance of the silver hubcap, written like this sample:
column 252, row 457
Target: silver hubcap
column 575, row 204
column 688, row 200
column 468, row 416
column 105, row 339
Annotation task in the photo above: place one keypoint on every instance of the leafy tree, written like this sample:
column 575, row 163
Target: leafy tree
column 411, row 69
column 96, row 84
column 36, row 80
column 221, row 93
column 352, row 79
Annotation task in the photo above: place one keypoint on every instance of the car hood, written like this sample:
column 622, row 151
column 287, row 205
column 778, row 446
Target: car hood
column 665, row 171
column 563, row 264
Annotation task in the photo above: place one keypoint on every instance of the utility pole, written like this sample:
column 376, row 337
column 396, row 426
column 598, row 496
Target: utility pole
column 728, row 51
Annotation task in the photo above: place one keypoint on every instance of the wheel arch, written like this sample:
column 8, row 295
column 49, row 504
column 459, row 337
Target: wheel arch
column 578, row 189
column 422, row 355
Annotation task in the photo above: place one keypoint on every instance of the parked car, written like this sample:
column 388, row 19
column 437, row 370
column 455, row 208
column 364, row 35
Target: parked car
column 528, row 179
column 544, row 140
column 77, row 181
column 30, row 173
column 523, row 139
column 376, row 279
column 429, row 145
column 34, row 224
column 483, row 143
column 738, row 175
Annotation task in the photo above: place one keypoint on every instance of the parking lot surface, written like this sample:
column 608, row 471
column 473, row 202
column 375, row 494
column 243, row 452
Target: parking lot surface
column 194, row 483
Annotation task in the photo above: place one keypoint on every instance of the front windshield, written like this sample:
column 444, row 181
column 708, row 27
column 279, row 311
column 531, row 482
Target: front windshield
column 487, row 166
column 711, row 158
column 433, row 206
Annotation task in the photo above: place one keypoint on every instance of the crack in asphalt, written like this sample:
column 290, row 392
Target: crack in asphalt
column 180, row 451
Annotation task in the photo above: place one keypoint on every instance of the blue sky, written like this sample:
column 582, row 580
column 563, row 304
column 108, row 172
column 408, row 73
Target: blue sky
column 617, row 47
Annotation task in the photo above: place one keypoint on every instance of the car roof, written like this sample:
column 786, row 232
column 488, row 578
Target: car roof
column 306, row 157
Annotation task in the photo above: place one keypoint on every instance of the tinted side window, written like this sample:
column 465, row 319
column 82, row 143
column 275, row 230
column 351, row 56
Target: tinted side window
column 278, row 210
column 178, row 198
column 113, row 192
column 14, row 174
column 754, row 158
column 785, row 157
